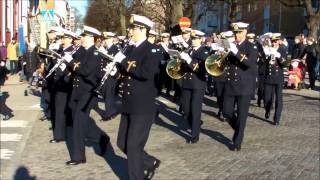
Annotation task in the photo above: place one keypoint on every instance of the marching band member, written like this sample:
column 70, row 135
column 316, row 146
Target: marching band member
column 109, row 90
column 239, row 85
column 138, row 68
column 194, row 84
column 85, row 63
column 165, row 80
column 251, row 38
column 62, row 87
column 274, row 77
column 152, row 36
column 220, row 81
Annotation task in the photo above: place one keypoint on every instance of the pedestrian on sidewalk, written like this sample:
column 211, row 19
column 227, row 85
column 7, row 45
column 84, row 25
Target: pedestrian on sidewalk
column 13, row 56
column 4, row 109
column 3, row 52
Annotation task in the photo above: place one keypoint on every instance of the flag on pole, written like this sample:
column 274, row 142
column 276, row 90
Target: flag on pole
column 22, row 46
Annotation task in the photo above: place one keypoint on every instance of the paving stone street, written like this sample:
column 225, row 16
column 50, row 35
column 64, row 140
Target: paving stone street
column 290, row 151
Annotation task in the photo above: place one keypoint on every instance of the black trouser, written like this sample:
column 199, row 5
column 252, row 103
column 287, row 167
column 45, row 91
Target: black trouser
column 260, row 92
column 237, row 121
column 84, row 127
column 312, row 76
column 210, row 83
column 219, row 91
column 132, row 137
column 177, row 90
column 269, row 91
column 61, row 110
column 110, row 97
column 13, row 66
column 192, row 105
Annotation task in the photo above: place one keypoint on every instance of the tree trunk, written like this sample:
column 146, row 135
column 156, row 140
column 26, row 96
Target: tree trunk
column 313, row 23
column 122, row 18
column 176, row 11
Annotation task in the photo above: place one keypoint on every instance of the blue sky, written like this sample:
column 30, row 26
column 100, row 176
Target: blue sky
column 81, row 5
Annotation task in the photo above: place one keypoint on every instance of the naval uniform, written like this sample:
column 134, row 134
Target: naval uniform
column 62, row 87
column 138, row 71
column 239, row 88
column 109, row 89
column 274, row 84
column 193, row 89
column 85, row 64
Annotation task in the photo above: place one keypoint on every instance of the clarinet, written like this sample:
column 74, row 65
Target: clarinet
column 60, row 61
column 108, row 70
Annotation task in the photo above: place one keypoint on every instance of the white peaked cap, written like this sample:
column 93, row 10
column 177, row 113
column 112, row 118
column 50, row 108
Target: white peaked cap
column 108, row 34
column 239, row 26
column 69, row 33
column 227, row 34
column 251, row 35
column 165, row 35
column 58, row 29
column 152, row 32
column 139, row 20
column 91, row 31
column 197, row 33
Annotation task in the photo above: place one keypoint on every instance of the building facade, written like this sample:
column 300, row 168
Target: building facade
column 262, row 15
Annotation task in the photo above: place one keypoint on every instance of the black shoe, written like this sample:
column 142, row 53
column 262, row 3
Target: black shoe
column 237, row 148
column 104, row 141
column 267, row 115
column 25, row 93
column 55, row 141
column 150, row 172
column 220, row 116
column 7, row 117
column 73, row 163
column 259, row 104
column 193, row 140
column 50, row 128
column 43, row 118
column 201, row 122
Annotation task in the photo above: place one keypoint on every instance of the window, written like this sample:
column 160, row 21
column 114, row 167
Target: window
column 249, row 7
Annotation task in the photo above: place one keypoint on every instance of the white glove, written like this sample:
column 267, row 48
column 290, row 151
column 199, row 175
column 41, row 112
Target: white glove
column 113, row 71
column 185, row 57
column 54, row 46
column 2, row 63
column 67, row 57
column 63, row 66
column 277, row 55
column 103, row 50
column 233, row 48
column 119, row 57
column 267, row 51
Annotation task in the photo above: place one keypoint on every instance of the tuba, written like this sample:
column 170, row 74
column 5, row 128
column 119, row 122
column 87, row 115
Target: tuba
column 216, row 63
column 175, row 68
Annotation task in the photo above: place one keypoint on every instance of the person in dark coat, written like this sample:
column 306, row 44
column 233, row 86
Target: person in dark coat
column 311, row 52
column 137, row 68
column 62, row 83
column 194, row 84
column 297, row 48
column 4, row 109
column 109, row 88
column 274, row 78
column 242, row 62
column 85, row 64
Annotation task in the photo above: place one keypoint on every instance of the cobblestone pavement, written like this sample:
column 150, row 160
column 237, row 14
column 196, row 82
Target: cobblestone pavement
column 290, row 151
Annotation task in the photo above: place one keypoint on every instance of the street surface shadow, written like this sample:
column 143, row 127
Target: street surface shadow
column 218, row 137
column 22, row 173
column 117, row 163
column 174, row 117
